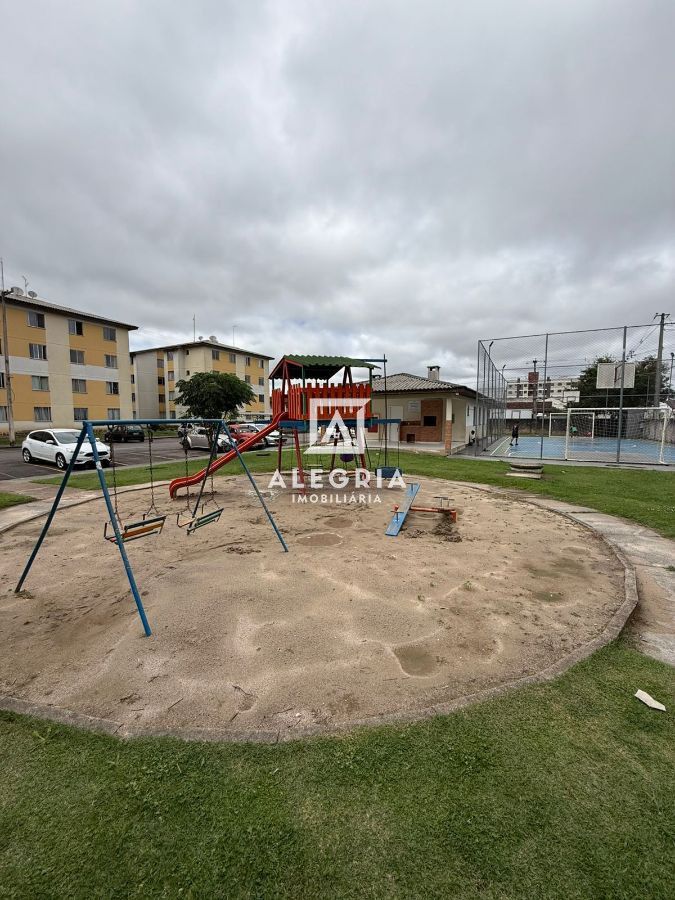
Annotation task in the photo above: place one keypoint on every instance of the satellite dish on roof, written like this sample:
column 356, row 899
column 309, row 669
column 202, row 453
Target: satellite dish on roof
column 201, row 337
column 213, row 338
column 18, row 291
column 32, row 294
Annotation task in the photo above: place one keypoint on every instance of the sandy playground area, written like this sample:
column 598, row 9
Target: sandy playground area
column 348, row 626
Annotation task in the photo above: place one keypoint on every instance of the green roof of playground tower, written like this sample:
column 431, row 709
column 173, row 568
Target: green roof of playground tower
column 321, row 366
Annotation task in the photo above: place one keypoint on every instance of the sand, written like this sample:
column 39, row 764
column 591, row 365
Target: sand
column 349, row 625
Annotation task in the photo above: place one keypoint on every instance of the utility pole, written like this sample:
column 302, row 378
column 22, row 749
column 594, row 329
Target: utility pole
column 659, row 356
column 535, row 388
column 5, row 351
column 670, row 380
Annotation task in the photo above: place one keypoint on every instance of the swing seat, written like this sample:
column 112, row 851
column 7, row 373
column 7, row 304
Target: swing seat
column 135, row 530
column 204, row 519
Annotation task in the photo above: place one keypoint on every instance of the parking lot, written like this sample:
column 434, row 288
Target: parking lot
column 164, row 449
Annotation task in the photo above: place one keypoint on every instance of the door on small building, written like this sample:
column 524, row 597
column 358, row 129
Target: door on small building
column 393, row 429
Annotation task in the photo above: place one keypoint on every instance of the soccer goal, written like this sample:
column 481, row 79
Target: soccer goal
column 634, row 434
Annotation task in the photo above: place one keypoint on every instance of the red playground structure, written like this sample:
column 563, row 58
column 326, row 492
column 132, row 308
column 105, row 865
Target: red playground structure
column 299, row 385
column 305, row 393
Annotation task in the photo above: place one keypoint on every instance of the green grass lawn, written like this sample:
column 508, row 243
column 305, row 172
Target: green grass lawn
column 562, row 790
column 7, row 499
column 645, row 496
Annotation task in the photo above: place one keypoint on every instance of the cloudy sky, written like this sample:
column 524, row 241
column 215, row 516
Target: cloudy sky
column 342, row 176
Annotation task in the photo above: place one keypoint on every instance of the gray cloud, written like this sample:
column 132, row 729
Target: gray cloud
column 363, row 177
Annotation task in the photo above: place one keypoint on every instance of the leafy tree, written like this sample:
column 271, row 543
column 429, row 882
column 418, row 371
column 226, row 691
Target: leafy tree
column 211, row 395
column 640, row 395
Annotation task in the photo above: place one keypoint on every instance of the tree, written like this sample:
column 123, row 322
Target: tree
column 640, row 395
column 211, row 395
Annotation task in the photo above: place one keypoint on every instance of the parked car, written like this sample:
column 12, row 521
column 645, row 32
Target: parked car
column 57, row 445
column 124, row 433
column 196, row 436
column 270, row 440
column 242, row 432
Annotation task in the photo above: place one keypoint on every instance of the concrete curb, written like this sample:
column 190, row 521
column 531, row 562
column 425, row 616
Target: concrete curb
column 110, row 727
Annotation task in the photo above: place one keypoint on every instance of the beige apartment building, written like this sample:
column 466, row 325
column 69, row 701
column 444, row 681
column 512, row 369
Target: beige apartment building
column 65, row 365
column 155, row 372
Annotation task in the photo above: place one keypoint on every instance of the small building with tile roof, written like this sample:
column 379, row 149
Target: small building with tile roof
column 431, row 410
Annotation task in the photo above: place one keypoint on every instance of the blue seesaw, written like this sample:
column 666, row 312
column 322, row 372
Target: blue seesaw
column 398, row 518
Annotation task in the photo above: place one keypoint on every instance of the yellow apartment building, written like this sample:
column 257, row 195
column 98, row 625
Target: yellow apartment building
column 66, row 365
column 155, row 372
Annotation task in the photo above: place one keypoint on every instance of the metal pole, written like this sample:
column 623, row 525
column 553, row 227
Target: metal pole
column 666, row 417
column 567, row 431
column 5, row 350
column 257, row 490
column 623, row 376
column 52, row 511
column 214, row 447
column 116, row 529
column 543, row 405
column 475, row 408
column 659, row 358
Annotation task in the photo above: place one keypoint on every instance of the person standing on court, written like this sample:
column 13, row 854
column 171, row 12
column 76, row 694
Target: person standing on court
column 514, row 435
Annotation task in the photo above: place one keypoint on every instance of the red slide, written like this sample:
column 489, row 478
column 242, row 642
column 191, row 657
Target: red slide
column 179, row 483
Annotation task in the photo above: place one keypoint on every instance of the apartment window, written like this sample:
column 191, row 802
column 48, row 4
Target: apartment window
column 172, row 414
column 112, row 387
column 261, row 397
column 3, row 413
column 36, row 319
column 39, row 382
column 160, row 362
column 261, row 381
column 79, row 385
column 169, row 354
column 233, row 357
column 75, row 326
column 113, row 413
column 261, row 363
column 247, row 378
column 215, row 354
column 37, row 351
column 171, row 376
column 42, row 413
column 2, row 379
column 77, row 357
column 187, row 372
column 109, row 334
column 80, row 413
column 160, row 379
column 110, row 361
column 172, row 394
column 248, row 360
column 133, row 378
column 162, row 398
column 133, row 397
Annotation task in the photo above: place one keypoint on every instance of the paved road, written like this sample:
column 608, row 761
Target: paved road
column 163, row 450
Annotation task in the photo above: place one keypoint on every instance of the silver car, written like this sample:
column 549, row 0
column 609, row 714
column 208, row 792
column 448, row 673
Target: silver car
column 196, row 436
column 57, row 445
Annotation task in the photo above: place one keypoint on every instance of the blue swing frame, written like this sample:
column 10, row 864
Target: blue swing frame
column 87, row 432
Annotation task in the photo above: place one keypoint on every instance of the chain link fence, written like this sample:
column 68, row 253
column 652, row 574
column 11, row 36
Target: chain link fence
column 604, row 395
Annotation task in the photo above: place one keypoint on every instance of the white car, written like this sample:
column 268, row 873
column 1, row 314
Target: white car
column 198, row 436
column 57, row 445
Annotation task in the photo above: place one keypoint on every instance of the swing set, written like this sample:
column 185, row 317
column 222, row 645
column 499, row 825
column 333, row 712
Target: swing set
column 118, row 532
column 149, row 524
